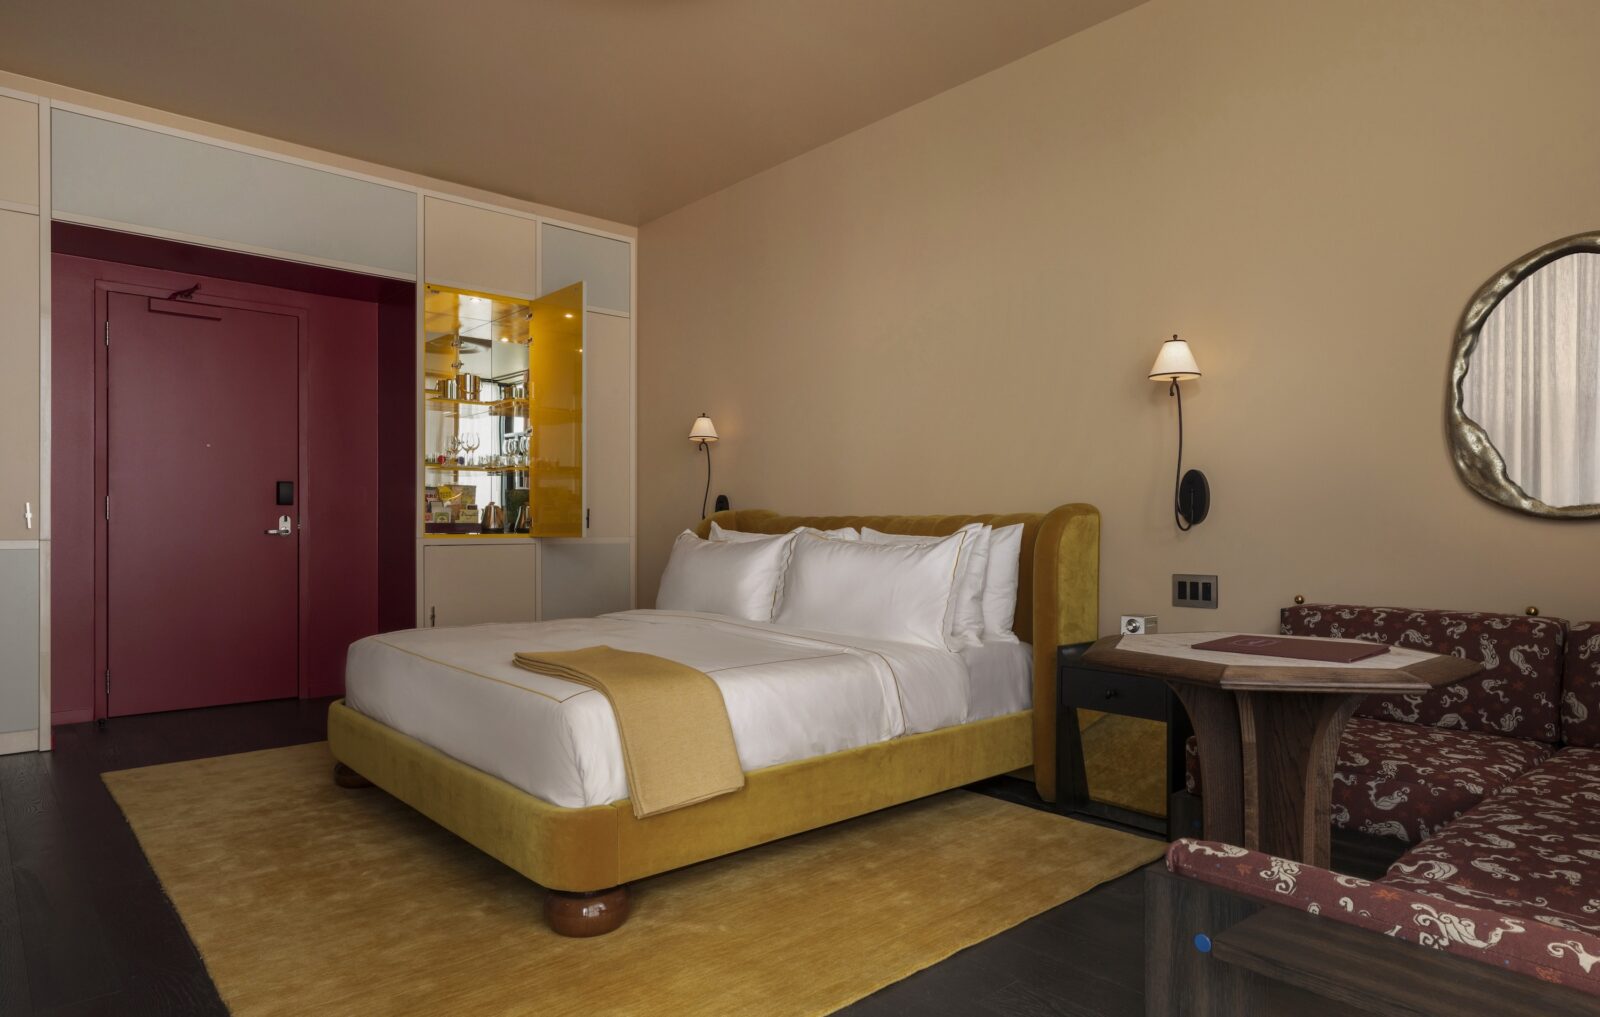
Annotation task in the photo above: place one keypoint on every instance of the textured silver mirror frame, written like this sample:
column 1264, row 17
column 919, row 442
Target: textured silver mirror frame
column 1477, row 460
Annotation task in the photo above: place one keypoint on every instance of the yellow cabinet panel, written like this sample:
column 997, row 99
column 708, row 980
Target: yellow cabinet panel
column 555, row 386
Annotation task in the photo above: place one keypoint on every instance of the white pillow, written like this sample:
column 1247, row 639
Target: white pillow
column 846, row 533
column 1000, row 586
column 737, row 578
column 966, row 621
column 898, row 592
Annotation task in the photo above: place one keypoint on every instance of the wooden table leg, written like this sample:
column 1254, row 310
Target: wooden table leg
column 1290, row 745
column 1215, row 717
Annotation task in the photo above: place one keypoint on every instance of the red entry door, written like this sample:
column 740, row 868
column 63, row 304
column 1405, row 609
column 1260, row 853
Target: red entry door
column 202, row 603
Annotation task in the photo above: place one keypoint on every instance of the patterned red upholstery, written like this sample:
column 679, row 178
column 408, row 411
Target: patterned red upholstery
column 1580, row 686
column 1532, row 848
column 1508, row 941
column 1406, row 782
column 1516, row 694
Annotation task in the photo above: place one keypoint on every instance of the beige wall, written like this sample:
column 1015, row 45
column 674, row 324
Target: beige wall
column 954, row 309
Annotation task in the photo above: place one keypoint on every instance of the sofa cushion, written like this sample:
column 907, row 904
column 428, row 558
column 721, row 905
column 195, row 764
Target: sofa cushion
column 1516, row 694
column 1473, row 931
column 1406, row 782
column 1580, row 685
column 1532, row 848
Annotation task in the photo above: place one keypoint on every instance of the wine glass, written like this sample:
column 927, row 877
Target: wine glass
column 452, row 448
column 469, row 443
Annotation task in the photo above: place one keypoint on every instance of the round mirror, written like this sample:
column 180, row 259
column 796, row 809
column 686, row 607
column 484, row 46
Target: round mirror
column 1524, row 409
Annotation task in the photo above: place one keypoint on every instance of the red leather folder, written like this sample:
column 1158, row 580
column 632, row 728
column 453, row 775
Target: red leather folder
column 1323, row 650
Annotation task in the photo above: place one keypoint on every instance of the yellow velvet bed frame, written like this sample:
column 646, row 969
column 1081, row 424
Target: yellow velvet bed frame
column 597, row 848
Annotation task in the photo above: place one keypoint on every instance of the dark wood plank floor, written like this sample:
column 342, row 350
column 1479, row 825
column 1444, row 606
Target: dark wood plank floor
column 85, row 928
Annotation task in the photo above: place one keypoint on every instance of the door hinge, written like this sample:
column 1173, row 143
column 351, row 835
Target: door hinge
column 108, row 332
column 108, row 508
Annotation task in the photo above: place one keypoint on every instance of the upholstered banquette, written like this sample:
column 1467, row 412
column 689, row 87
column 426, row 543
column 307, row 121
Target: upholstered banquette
column 1503, row 815
column 1408, row 765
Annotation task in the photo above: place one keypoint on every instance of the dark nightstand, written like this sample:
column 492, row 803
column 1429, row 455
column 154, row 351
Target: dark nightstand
column 1084, row 686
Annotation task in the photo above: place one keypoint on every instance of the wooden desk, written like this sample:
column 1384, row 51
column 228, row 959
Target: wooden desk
column 1268, row 727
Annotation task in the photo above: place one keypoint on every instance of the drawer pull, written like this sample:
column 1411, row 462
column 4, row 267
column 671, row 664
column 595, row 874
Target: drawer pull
column 1111, row 693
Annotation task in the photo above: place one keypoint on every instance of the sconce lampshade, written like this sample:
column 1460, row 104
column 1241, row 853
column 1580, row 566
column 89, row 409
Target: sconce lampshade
column 1174, row 362
column 703, row 431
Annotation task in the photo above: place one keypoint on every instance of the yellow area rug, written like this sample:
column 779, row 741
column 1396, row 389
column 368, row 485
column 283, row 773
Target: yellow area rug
column 308, row 899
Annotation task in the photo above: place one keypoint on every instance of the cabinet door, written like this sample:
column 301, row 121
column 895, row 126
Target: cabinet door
column 19, row 644
column 603, row 264
column 608, row 424
column 19, row 151
column 475, row 583
column 585, row 578
column 477, row 249
column 19, row 381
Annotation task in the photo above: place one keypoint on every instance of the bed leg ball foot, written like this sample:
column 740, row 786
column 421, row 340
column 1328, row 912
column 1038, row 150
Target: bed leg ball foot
column 586, row 914
column 346, row 777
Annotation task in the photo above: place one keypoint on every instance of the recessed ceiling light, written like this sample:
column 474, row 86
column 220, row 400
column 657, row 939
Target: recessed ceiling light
column 569, row 314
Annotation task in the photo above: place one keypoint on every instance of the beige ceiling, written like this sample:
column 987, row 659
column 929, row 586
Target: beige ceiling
column 625, row 109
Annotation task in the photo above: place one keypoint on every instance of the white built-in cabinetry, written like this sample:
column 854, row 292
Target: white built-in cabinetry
column 471, row 247
column 24, row 545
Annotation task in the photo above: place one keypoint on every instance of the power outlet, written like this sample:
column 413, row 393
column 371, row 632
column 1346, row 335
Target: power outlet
column 1194, row 591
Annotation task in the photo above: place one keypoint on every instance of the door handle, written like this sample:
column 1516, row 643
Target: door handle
column 285, row 528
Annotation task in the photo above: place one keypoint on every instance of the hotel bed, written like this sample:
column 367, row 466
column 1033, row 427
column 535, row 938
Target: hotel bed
column 790, row 694
column 530, row 769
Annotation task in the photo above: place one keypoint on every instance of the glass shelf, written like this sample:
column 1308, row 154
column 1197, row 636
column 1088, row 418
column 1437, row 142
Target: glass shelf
column 460, row 468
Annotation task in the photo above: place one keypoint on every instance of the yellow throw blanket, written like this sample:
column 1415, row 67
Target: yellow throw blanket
column 677, row 743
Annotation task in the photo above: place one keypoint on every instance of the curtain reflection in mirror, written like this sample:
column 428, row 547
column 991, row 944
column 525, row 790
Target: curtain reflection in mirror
column 1534, row 381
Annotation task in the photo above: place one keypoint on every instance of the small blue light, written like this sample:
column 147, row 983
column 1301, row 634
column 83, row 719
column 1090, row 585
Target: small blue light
column 1202, row 942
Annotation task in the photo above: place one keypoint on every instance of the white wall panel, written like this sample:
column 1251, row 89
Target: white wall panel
column 608, row 421
column 19, row 151
column 570, row 256
column 111, row 172
column 19, row 380
column 474, row 248
column 584, row 578
column 19, row 640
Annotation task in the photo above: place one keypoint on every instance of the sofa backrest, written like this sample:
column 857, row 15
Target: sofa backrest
column 1580, row 685
column 1517, row 693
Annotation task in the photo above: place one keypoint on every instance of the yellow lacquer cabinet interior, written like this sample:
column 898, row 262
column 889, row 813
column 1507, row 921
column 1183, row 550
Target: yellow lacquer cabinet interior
column 503, row 414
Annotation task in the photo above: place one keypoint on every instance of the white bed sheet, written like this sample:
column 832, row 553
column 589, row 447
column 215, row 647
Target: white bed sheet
column 790, row 694
column 1000, row 678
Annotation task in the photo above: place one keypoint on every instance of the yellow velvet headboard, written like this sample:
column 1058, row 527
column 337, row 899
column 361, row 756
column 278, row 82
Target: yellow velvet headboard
column 1058, row 589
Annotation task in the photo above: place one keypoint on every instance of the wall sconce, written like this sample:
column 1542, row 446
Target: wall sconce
column 704, row 434
column 1191, row 493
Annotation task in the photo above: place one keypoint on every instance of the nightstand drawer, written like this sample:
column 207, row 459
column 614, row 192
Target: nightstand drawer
column 1129, row 695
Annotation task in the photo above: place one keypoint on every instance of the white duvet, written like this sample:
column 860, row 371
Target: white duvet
column 790, row 694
